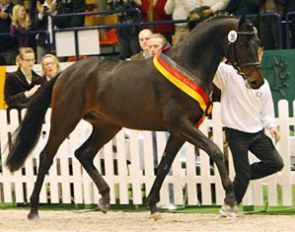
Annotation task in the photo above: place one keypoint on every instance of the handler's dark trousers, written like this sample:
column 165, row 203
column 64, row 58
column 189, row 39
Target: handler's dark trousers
column 262, row 147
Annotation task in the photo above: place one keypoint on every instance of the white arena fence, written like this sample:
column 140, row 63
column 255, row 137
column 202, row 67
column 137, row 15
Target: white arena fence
column 194, row 179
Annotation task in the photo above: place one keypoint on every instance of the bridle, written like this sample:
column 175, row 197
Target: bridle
column 231, row 48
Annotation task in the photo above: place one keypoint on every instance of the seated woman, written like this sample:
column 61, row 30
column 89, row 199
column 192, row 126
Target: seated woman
column 50, row 66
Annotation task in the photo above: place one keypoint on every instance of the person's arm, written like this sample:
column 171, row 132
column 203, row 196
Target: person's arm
column 219, row 5
column 13, row 100
column 169, row 7
column 189, row 5
column 267, row 114
column 220, row 76
column 13, row 30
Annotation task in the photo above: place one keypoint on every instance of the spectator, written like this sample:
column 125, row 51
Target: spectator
column 127, row 36
column 50, row 66
column 238, row 7
column 20, row 26
column 205, row 9
column 157, row 43
column 143, row 38
column 269, row 30
column 154, row 11
column 22, row 84
column 245, row 114
column 69, row 7
column 179, row 11
column 8, row 45
column 44, row 22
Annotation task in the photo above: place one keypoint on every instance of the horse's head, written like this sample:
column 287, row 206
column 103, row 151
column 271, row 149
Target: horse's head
column 243, row 53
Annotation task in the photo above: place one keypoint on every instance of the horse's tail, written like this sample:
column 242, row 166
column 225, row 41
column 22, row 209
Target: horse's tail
column 28, row 132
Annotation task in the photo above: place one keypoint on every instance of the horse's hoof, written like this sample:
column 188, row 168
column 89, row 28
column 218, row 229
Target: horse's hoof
column 104, row 207
column 156, row 216
column 227, row 211
column 33, row 216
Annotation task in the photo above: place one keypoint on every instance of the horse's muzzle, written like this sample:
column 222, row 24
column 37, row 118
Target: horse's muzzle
column 254, row 79
column 254, row 84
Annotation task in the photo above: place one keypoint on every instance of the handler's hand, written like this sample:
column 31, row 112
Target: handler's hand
column 275, row 134
column 207, row 13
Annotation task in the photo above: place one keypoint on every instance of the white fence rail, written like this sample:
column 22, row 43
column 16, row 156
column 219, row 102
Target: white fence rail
column 195, row 180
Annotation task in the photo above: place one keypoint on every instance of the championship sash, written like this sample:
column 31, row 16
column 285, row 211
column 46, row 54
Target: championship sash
column 179, row 77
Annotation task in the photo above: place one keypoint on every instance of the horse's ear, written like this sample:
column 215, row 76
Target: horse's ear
column 242, row 20
column 255, row 21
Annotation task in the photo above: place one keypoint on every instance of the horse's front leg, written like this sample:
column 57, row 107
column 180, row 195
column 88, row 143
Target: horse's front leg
column 173, row 145
column 196, row 137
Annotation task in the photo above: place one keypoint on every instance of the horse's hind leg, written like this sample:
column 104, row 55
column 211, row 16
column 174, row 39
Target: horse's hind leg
column 173, row 146
column 101, row 134
column 57, row 134
column 46, row 160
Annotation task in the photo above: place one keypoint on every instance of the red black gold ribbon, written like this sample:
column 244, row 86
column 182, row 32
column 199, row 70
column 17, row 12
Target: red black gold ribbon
column 183, row 82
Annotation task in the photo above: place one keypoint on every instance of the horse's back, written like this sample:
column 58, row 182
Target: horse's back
column 110, row 88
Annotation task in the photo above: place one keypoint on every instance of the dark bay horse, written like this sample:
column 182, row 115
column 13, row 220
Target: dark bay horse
column 111, row 94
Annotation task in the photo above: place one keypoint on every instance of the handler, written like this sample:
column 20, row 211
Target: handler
column 246, row 113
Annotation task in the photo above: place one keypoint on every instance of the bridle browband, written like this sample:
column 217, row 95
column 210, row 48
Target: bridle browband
column 232, row 48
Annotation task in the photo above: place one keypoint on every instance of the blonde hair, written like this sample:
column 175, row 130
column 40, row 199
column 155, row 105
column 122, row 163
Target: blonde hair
column 158, row 36
column 55, row 59
column 16, row 21
column 24, row 50
column 17, row 63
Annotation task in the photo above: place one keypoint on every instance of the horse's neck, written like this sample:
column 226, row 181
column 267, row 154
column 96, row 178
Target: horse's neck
column 201, row 62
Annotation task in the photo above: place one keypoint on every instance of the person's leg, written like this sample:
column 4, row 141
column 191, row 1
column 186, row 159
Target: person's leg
column 266, row 33
column 270, row 160
column 41, row 51
column 133, row 40
column 9, row 56
column 274, row 28
column 239, row 145
column 124, row 46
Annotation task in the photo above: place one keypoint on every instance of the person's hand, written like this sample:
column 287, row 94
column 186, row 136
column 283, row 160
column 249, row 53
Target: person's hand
column 32, row 91
column 3, row 15
column 40, row 8
column 138, row 2
column 206, row 13
column 274, row 132
column 53, row 8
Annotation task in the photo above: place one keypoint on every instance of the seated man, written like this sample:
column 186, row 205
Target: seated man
column 143, row 38
column 157, row 43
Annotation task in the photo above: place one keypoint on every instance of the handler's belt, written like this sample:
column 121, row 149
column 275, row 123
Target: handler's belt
column 180, row 77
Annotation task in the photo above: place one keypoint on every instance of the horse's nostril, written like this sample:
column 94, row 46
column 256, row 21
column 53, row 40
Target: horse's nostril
column 255, row 84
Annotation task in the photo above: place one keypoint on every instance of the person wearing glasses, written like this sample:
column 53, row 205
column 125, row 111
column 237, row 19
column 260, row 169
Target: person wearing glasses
column 50, row 66
column 22, row 84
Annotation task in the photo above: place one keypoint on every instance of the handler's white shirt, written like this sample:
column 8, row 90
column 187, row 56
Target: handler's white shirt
column 244, row 109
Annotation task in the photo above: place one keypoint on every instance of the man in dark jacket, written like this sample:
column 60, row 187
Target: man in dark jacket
column 8, row 45
column 22, row 84
column 238, row 7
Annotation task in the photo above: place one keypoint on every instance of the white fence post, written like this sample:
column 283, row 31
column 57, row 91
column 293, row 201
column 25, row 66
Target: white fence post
column 67, row 182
